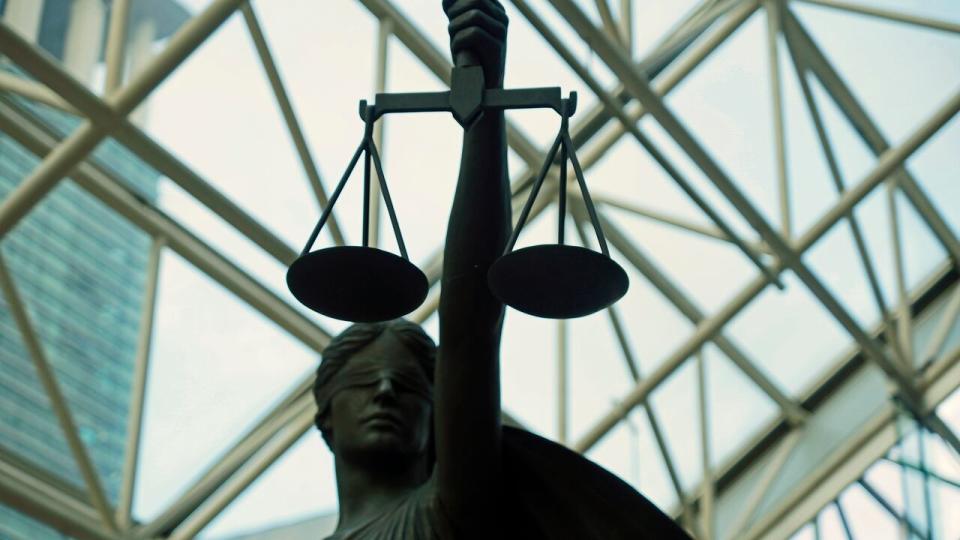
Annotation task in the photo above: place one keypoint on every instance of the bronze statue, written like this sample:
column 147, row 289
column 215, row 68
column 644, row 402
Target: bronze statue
column 419, row 449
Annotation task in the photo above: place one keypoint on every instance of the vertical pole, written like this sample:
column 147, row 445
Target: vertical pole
column 83, row 39
column 706, row 502
column 904, row 316
column 927, row 495
column 384, row 30
column 562, row 204
column 843, row 520
column 562, row 380
column 368, row 140
column 138, row 387
column 140, row 51
column 626, row 25
column 58, row 402
column 24, row 17
column 779, row 135
column 116, row 44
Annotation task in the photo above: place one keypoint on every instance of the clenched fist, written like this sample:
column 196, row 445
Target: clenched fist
column 478, row 36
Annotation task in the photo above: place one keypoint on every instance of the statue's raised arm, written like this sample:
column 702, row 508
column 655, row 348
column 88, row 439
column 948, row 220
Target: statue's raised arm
column 467, row 413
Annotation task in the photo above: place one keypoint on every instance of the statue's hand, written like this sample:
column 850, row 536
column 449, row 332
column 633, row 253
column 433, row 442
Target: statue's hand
column 479, row 28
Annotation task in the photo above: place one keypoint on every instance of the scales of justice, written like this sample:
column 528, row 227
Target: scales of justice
column 367, row 284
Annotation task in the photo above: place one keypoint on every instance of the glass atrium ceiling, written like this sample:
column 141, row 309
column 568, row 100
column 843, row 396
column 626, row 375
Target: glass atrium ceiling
column 821, row 135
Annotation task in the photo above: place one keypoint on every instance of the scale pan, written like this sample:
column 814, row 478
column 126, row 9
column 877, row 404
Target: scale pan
column 357, row 284
column 557, row 282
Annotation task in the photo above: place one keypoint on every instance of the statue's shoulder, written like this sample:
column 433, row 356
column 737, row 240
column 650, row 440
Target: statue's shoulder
column 419, row 516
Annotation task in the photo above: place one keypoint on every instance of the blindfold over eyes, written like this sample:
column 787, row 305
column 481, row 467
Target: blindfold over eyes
column 403, row 381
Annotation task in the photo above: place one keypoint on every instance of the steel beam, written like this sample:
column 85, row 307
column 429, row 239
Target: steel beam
column 609, row 24
column 58, row 402
column 887, row 163
column 707, row 518
column 626, row 25
column 939, row 337
column 436, row 61
column 679, row 71
column 116, row 44
column 904, row 327
column 772, row 8
column 887, row 14
column 633, row 367
column 31, row 493
column 770, row 473
column 848, row 462
column 630, row 126
column 301, row 419
column 129, row 205
column 678, row 222
column 384, row 31
column 838, row 182
column 229, row 463
column 34, row 91
column 289, row 116
column 47, row 70
column 688, row 309
column 903, row 519
column 637, row 84
column 855, row 113
column 138, row 387
column 76, row 147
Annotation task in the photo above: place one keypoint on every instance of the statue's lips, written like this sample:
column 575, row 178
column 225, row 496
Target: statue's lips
column 383, row 417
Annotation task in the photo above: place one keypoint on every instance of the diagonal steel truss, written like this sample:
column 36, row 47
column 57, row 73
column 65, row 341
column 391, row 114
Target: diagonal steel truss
column 917, row 383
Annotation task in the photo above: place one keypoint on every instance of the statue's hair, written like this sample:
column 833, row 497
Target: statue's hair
column 357, row 336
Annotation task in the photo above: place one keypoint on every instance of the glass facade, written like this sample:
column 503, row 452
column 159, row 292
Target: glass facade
column 80, row 270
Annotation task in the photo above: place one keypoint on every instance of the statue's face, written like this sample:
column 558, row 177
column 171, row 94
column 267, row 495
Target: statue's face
column 382, row 412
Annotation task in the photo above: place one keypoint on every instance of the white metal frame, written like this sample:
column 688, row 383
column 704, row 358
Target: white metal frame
column 919, row 384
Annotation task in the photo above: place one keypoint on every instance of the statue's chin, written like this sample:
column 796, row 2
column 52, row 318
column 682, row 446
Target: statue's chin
column 385, row 454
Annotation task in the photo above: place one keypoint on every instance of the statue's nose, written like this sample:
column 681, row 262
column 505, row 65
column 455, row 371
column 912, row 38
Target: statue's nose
column 386, row 387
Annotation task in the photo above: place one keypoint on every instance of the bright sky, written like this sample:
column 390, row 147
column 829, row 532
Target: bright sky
column 217, row 365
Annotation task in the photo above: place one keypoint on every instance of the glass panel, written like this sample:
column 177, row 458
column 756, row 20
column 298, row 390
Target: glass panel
column 834, row 259
column 776, row 328
column 737, row 408
column 806, row 533
column 708, row 272
column 831, row 528
column 235, row 137
column 421, row 160
column 676, row 404
column 17, row 526
column 598, row 376
column 630, row 451
column 28, row 426
column 235, row 247
column 216, row 366
column 922, row 252
column 653, row 326
column 725, row 104
column 854, row 158
column 627, row 174
column 812, row 187
column 866, row 517
column 295, row 498
column 934, row 164
column 880, row 74
column 80, row 269
column 528, row 367
column 946, row 10
column 654, row 22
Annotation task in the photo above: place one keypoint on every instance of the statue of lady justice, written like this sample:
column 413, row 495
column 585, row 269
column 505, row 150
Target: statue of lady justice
column 419, row 449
